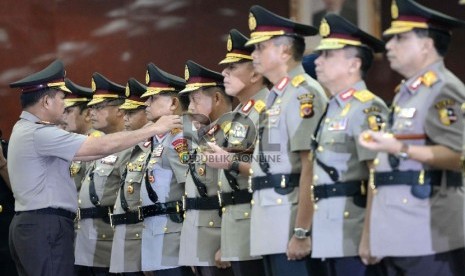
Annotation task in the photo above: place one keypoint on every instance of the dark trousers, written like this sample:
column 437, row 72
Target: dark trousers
column 42, row 244
column 350, row 266
column 93, row 271
column 177, row 271
column 278, row 265
column 212, row 271
column 245, row 268
column 442, row 264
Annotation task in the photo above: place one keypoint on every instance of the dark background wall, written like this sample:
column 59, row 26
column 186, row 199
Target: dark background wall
column 119, row 37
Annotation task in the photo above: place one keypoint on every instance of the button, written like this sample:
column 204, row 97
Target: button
column 210, row 223
column 346, row 214
column 137, row 235
column 79, row 226
column 376, row 162
column 327, row 120
column 223, row 209
column 252, row 202
column 315, row 177
column 101, row 171
column 404, row 200
column 165, row 229
column 219, row 183
column 104, row 236
column 320, row 148
column 130, row 180
column 246, row 214
column 1, row 208
column 184, row 215
column 79, row 201
column 279, row 201
column 201, row 171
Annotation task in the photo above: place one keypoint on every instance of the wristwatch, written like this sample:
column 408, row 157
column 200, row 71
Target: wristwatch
column 234, row 168
column 403, row 153
column 301, row 233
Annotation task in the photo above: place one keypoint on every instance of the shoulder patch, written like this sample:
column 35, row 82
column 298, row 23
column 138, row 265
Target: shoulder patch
column 175, row 131
column 180, row 146
column 297, row 80
column 364, row 96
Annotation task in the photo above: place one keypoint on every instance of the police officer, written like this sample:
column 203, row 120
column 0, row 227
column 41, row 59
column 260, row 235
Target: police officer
column 125, row 251
column 41, row 233
column 101, row 183
column 417, row 210
column 76, row 118
column 341, row 165
column 280, row 220
column 200, row 235
column 241, row 81
column 163, row 186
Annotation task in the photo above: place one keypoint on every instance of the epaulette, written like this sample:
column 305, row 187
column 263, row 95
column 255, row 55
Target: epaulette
column 46, row 123
column 364, row 96
column 429, row 78
column 297, row 80
column 95, row 133
column 175, row 131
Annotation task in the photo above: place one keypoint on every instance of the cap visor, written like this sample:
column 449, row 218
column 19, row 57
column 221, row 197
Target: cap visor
column 396, row 30
column 189, row 89
column 96, row 101
column 130, row 106
column 230, row 60
column 258, row 39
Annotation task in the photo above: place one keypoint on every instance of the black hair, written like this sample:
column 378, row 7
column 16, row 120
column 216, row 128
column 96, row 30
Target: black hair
column 31, row 98
column 365, row 55
column 440, row 38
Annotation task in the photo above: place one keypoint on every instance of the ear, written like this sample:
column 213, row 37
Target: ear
column 45, row 101
column 86, row 114
column 254, row 76
column 174, row 103
column 355, row 65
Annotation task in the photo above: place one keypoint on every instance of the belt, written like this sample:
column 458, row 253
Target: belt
column 157, row 209
column 51, row 211
column 348, row 188
column 201, row 203
column 411, row 178
column 235, row 197
column 275, row 181
column 94, row 212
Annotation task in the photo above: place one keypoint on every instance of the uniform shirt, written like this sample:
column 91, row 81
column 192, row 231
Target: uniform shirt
column 338, row 222
column 428, row 103
column 286, row 133
column 201, row 230
column 94, row 236
column 167, row 170
column 127, row 239
column 39, row 158
column 235, row 224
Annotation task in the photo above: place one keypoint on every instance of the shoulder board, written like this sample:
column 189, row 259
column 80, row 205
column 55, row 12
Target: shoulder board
column 297, row 80
column 429, row 78
column 364, row 95
column 95, row 133
column 45, row 123
column 175, row 131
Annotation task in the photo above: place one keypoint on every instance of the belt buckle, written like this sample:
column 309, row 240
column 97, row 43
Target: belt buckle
column 220, row 201
column 184, row 203
column 78, row 215
column 110, row 215
column 139, row 213
column 313, row 198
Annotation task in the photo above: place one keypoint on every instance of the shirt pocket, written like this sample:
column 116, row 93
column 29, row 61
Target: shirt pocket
column 210, row 218
column 268, row 197
column 241, row 212
column 163, row 225
column 101, row 174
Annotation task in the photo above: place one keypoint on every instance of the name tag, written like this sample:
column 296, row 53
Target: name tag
column 338, row 125
column 407, row 112
column 109, row 160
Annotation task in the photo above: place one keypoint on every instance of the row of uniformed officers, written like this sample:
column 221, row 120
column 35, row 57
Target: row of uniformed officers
column 227, row 174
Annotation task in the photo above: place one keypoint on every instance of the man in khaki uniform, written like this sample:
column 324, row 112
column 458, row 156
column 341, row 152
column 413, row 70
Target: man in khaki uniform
column 77, row 119
column 200, row 235
column 417, row 210
column 126, row 247
column 341, row 165
column 101, row 183
column 280, row 223
column 249, row 87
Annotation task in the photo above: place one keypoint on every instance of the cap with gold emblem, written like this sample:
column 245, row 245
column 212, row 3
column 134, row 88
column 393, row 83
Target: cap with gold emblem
column 104, row 89
column 79, row 94
column 134, row 91
column 198, row 77
column 264, row 25
column 159, row 81
column 408, row 15
column 337, row 33
column 237, row 50
column 53, row 76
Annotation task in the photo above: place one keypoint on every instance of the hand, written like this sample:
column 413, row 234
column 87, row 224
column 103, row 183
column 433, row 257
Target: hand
column 379, row 141
column 217, row 158
column 166, row 123
column 298, row 249
column 219, row 263
column 364, row 251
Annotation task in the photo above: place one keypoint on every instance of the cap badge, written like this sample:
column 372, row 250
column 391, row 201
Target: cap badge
column 186, row 73
column 252, row 22
column 147, row 77
column 128, row 91
column 94, row 87
column 324, row 28
column 394, row 10
column 229, row 44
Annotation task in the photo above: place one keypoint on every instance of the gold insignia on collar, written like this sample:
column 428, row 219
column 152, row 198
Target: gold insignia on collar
column 128, row 91
column 252, row 22
column 186, row 73
column 394, row 10
column 147, row 77
column 325, row 30
column 259, row 106
column 229, row 44
column 429, row 78
column 94, row 87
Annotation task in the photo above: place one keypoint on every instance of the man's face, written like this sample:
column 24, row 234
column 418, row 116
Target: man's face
column 405, row 53
column 56, row 107
column 76, row 120
column 237, row 76
column 104, row 115
column 200, row 103
column 332, row 66
column 266, row 57
column 134, row 119
column 157, row 106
